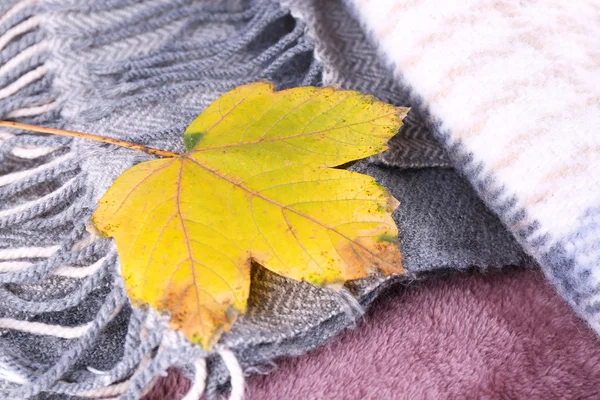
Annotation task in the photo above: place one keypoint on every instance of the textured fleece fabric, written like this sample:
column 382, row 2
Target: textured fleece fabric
column 501, row 335
column 512, row 90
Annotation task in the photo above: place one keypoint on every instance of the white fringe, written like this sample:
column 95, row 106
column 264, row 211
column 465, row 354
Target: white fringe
column 5, row 135
column 31, row 111
column 22, row 56
column 16, row 8
column 17, row 176
column 31, row 152
column 11, row 376
column 235, row 371
column 23, row 81
column 18, row 30
column 38, row 328
column 28, row 252
column 80, row 272
column 199, row 383
column 86, row 241
column 14, row 266
column 41, row 200
column 66, row 271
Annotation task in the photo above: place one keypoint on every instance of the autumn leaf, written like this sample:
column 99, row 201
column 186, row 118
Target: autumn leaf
column 256, row 184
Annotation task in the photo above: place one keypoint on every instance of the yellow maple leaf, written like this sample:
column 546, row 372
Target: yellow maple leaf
column 256, row 184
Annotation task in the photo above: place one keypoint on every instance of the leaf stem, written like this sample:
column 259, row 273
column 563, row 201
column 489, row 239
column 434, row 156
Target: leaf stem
column 98, row 138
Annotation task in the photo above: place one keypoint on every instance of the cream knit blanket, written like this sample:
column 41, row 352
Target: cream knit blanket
column 512, row 89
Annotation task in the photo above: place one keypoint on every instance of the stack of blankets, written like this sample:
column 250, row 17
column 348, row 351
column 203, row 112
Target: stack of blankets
column 496, row 167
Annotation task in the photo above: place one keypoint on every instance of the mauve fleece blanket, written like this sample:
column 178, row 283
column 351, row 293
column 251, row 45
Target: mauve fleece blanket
column 503, row 335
